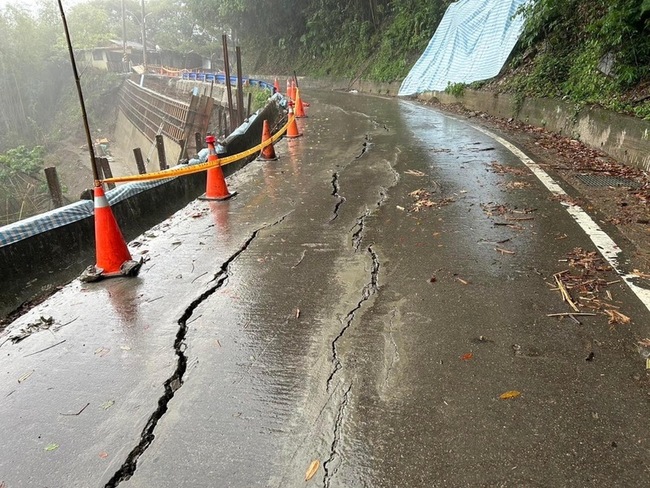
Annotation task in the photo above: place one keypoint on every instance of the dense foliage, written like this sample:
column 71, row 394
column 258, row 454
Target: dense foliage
column 376, row 39
column 595, row 52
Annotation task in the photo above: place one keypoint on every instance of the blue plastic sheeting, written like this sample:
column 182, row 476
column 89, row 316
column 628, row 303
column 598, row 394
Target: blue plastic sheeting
column 472, row 43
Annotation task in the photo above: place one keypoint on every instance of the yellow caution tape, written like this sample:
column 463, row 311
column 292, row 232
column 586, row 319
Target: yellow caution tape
column 197, row 168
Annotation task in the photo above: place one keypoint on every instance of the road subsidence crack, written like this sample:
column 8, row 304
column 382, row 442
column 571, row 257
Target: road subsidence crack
column 175, row 381
column 368, row 291
column 331, row 465
column 335, row 193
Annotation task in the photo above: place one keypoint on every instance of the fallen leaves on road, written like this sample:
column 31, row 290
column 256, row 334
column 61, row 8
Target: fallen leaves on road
column 501, row 169
column 108, row 404
column 423, row 200
column 102, row 351
column 467, row 357
column 42, row 323
column 503, row 251
column 26, row 376
column 640, row 274
column 493, row 209
column 51, row 447
column 312, row 469
column 517, row 185
column 103, row 455
column 509, row 395
column 586, row 280
column 617, row 317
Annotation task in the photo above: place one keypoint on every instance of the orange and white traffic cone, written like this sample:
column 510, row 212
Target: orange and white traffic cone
column 268, row 153
column 215, row 188
column 112, row 254
column 300, row 111
column 293, row 90
column 292, row 130
column 288, row 88
column 276, row 85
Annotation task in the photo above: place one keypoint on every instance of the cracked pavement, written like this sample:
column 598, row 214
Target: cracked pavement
column 325, row 314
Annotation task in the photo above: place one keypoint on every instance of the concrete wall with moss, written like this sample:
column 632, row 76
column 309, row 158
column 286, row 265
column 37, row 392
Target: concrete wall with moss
column 624, row 138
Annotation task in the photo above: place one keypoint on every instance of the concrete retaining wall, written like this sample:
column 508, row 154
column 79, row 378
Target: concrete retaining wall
column 127, row 137
column 625, row 138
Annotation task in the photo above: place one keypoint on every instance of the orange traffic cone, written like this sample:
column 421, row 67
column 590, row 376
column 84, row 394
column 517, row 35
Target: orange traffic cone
column 288, row 89
column 300, row 111
column 215, row 188
column 113, row 256
column 293, row 90
column 276, row 85
column 292, row 130
column 268, row 153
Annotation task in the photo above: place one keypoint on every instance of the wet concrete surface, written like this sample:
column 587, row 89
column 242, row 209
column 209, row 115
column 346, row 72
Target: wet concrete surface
column 317, row 316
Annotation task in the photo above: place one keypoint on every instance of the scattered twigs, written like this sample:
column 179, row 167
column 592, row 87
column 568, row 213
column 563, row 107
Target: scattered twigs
column 569, row 314
column 565, row 294
column 304, row 252
column 75, row 414
column 43, row 350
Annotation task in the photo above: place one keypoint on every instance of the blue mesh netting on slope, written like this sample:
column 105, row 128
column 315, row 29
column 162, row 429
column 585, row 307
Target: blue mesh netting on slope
column 472, row 43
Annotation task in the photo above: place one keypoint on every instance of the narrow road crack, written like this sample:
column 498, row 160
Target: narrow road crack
column 331, row 465
column 364, row 147
column 175, row 381
column 368, row 291
column 357, row 235
column 360, row 225
column 335, row 193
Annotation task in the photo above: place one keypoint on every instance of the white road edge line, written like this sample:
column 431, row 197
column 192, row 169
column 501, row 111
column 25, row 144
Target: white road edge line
column 605, row 244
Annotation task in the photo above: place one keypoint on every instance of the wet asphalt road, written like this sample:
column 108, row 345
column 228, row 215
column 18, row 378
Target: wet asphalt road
column 318, row 316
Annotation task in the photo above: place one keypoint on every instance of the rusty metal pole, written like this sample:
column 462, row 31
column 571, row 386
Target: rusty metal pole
column 240, row 87
column 106, row 171
column 89, row 140
column 226, row 63
column 160, row 146
column 139, row 161
column 143, row 26
column 54, row 186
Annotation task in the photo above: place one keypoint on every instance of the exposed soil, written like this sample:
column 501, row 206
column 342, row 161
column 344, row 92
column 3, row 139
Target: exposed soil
column 627, row 209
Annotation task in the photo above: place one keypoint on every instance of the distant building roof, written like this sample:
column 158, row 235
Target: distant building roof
column 129, row 44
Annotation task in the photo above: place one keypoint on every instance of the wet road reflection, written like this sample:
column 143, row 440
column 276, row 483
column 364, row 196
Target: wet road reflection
column 356, row 304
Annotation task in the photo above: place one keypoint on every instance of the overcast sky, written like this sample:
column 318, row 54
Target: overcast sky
column 32, row 3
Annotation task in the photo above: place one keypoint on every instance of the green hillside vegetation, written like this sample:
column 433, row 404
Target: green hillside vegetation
column 562, row 47
column 559, row 54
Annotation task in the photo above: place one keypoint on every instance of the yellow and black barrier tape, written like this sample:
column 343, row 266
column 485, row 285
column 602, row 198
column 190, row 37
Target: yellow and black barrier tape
column 197, row 168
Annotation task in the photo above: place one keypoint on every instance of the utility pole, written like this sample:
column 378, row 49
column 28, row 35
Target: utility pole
column 124, row 58
column 144, row 38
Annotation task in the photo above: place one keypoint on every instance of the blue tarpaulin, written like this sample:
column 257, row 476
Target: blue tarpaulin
column 472, row 43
